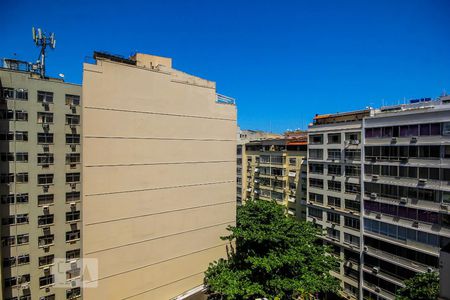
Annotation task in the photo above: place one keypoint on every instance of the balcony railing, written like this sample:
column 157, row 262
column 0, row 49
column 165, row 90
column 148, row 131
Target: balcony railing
column 225, row 99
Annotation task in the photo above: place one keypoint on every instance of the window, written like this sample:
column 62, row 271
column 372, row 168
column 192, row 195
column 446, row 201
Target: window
column 333, row 234
column 6, row 114
column 45, row 179
column 8, row 241
column 351, row 222
column 7, row 156
column 353, row 171
column 317, row 183
column 316, row 139
column 316, row 154
column 8, row 220
column 334, row 154
column 22, row 219
column 72, row 138
column 23, row 259
column 352, row 188
column 21, row 115
column 333, row 218
column 334, row 138
column 46, row 280
column 22, row 136
column 292, row 161
column 73, row 273
column 316, row 168
column 44, row 117
column 7, row 136
column 45, row 138
column 22, row 239
column 22, row 177
column 351, row 239
column 352, row 205
column 75, row 292
column 72, row 196
column 9, row 262
column 334, row 185
column 45, row 199
column 45, row 220
column 7, row 178
column 74, row 120
column 334, row 201
column 72, row 235
column 46, row 240
column 352, row 136
column 315, row 212
column 316, row 197
column 72, row 100
column 72, row 177
column 21, row 94
column 22, row 156
column 45, row 97
column 73, row 216
column 46, row 260
column 45, row 158
column 8, row 93
column 334, row 170
column 7, row 199
column 352, row 154
column 10, row 281
column 22, row 198
column 72, row 254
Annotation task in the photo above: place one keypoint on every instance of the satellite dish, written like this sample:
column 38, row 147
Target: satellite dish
column 61, row 75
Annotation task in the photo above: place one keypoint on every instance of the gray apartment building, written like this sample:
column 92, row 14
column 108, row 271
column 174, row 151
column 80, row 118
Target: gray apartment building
column 39, row 184
column 406, row 166
column 379, row 186
column 334, row 189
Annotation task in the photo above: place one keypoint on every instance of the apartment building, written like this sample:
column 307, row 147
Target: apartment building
column 334, row 190
column 276, row 170
column 243, row 137
column 39, row 184
column 406, row 193
column 160, row 165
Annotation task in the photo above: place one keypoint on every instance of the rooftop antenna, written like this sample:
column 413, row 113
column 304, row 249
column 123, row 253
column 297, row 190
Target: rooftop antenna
column 42, row 40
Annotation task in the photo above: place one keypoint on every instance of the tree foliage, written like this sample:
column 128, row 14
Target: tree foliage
column 271, row 255
column 423, row 286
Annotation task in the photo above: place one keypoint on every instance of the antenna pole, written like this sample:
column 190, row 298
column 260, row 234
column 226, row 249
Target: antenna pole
column 42, row 40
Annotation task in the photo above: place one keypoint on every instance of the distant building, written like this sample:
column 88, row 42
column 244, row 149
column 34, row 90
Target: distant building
column 276, row 170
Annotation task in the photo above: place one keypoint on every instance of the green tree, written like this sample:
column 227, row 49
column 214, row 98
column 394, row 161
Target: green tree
column 271, row 255
column 423, row 286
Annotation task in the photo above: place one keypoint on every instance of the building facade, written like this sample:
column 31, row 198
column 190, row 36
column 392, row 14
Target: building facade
column 276, row 170
column 406, row 193
column 334, row 190
column 39, row 185
column 160, row 165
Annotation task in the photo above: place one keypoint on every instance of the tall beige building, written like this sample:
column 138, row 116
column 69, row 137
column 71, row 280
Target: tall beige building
column 39, row 184
column 159, row 176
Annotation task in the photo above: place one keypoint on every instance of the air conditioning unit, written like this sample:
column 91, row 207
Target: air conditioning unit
column 45, row 126
column 422, row 181
column 354, row 142
column 376, row 270
column 403, row 200
column 378, row 216
column 444, row 206
column 394, row 140
column 415, row 224
column 430, row 269
column 404, row 159
column 414, row 139
column 332, row 208
column 373, row 195
column 375, row 177
column 72, row 106
column 47, row 268
column 45, row 208
column 73, row 185
column 72, row 203
column 377, row 289
column 366, row 248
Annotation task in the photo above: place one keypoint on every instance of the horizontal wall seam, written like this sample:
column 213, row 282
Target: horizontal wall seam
column 158, row 138
column 163, row 285
column 159, row 262
column 161, row 188
column 159, row 213
column 163, row 163
column 157, row 113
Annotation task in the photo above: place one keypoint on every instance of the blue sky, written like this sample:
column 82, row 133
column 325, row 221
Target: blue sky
column 284, row 61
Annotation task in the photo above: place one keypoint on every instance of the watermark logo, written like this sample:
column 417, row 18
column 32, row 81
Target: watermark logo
column 81, row 272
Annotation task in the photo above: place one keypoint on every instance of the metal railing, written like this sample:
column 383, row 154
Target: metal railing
column 225, row 99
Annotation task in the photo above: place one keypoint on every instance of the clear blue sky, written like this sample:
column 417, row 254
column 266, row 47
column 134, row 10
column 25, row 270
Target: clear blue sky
column 284, row 61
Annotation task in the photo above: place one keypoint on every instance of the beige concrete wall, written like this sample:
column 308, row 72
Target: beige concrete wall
column 159, row 175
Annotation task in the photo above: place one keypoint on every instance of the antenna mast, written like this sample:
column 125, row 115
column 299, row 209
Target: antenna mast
column 42, row 40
